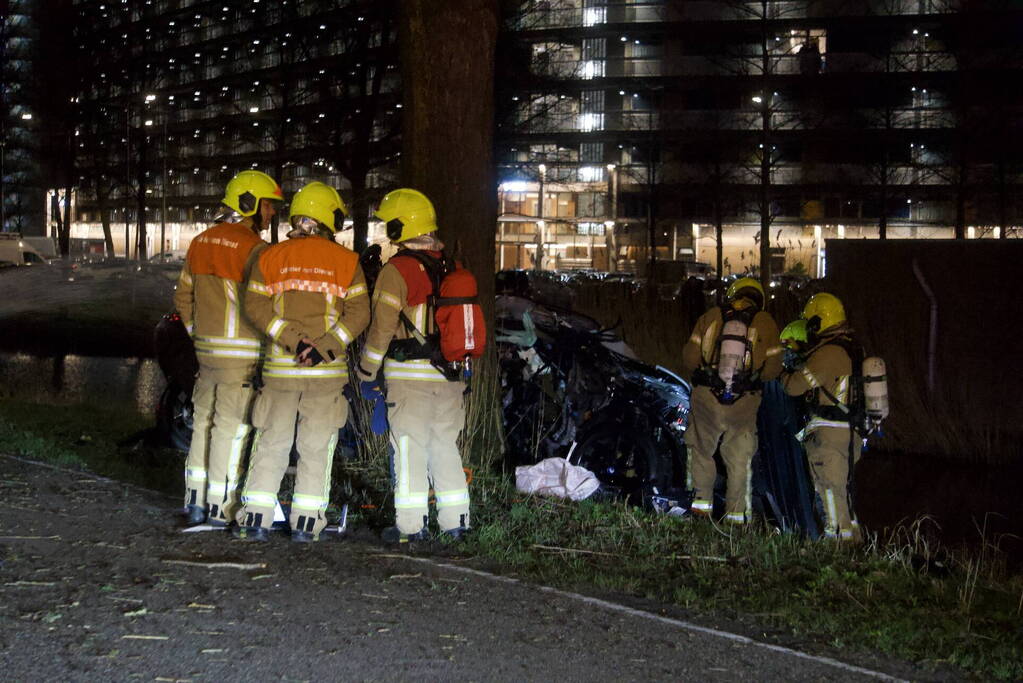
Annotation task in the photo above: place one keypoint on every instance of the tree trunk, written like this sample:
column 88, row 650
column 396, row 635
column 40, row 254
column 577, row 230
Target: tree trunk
column 108, row 233
column 765, row 153
column 64, row 242
column 447, row 55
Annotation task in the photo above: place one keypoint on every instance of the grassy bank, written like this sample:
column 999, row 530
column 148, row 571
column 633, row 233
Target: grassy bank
column 112, row 443
column 898, row 595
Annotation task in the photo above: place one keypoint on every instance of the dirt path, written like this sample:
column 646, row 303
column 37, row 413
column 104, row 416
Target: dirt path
column 97, row 583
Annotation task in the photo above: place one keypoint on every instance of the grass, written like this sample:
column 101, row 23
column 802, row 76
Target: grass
column 901, row 595
column 106, row 441
column 892, row 596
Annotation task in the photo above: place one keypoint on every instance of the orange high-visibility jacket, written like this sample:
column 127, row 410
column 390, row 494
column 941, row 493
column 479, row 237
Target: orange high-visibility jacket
column 208, row 298
column 307, row 287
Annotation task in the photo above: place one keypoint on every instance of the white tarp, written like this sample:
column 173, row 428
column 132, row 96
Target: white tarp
column 556, row 477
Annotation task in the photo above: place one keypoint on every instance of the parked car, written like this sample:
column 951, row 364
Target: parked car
column 14, row 249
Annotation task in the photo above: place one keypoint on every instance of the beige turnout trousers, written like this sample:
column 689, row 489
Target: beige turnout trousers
column 827, row 450
column 735, row 427
column 319, row 415
column 214, row 463
column 426, row 418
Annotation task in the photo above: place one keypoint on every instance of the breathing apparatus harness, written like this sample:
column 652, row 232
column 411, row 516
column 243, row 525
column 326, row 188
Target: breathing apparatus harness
column 745, row 379
column 854, row 410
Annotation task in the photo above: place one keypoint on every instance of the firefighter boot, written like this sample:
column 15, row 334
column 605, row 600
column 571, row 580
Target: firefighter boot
column 392, row 534
column 458, row 533
column 194, row 515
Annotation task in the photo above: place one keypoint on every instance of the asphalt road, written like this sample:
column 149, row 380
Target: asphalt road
column 98, row 583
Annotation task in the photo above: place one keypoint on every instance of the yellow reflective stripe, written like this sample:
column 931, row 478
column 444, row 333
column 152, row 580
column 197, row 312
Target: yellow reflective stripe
column 373, row 354
column 189, row 327
column 231, row 314
column 276, row 326
column 304, row 372
column 389, row 299
column 811, row 379
column 227, row 353
column 702, row 505
column 735, row 518
column 195, row 473
column 357, row 290
column 260, row 498
column 775, row 350
column 843, row 389
column 307, row 502
column 425, row 375
column 831, row 524
column 452, row 498
column 341, row 333
column 234, row 463
column 227, row 341
column 258, row 288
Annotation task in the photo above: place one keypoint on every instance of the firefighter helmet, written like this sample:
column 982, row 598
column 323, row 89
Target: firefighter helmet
column 746, row 288
column 322, row 204
column 794, row 335
column 407, row 213
column 246, row 189
column 822, row 312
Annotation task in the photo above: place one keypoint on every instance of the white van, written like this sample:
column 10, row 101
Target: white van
column 15, row 251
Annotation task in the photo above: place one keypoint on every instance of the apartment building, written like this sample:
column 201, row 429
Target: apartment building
column 179, row 95
column 21, row 197
column 650, row 124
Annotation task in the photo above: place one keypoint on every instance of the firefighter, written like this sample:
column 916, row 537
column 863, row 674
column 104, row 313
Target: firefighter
column 208, row 299
column 308, row 295
column 829, row 438
column 734, row 348
column 426, row 412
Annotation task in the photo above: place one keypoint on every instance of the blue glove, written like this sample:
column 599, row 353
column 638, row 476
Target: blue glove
column 370, row 390
column 379, row 422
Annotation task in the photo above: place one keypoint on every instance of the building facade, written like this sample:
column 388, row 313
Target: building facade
column 179, row 95
column 21, row 195
column 655, row 124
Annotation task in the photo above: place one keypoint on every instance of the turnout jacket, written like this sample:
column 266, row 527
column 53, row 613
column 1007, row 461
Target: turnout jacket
column 762, row 334
column 208, row 299
column 402, row 287
column 307, row 287
column 829, row 366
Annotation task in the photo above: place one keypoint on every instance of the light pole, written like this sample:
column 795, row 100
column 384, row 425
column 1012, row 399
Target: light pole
column 612, row 217
column 163, row 179
column 540, row 222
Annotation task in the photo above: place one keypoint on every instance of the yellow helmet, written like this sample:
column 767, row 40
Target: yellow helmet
column 746, row 287
column 407, row 213
column 794, row 334
column 823, row 311
column 246, row 189
column 320, row 202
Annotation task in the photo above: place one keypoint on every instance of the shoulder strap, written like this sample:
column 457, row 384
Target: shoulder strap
column 435, row 270
column 855, row 352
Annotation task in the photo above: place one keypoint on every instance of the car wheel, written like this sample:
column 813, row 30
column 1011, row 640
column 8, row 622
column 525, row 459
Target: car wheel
column 174, row 417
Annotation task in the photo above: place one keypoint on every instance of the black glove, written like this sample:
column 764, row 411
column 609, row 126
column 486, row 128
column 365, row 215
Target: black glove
column 313, row 354
column 792, row 360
